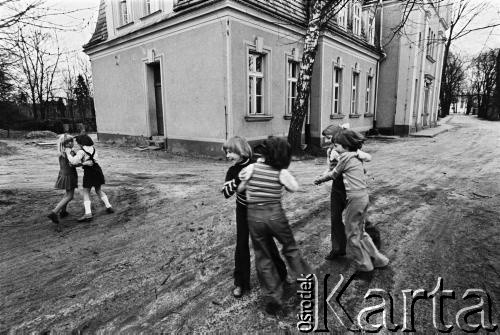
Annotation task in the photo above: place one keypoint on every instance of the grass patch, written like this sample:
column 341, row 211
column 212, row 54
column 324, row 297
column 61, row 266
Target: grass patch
column 6, row 150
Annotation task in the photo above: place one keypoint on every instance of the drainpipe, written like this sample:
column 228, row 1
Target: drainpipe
column 384, row 56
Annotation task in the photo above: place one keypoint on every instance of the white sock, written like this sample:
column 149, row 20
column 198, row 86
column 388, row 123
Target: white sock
column 104, row 199
column 88, row 210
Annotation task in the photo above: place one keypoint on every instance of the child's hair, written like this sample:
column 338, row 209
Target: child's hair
column 61, row 143
column 239, row 146
column 349, row 139
column 332, row 130
column 277, row 152
column 84, row 140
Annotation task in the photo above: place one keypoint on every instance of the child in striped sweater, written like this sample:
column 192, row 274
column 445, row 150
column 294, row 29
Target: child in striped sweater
column 264, row 183
column 238, row 150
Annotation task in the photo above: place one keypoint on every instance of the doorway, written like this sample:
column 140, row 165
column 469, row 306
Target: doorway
column 155, row 98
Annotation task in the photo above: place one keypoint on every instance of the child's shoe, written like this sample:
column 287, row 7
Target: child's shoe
column 85, row 218
column 363, row 275
column 63, row 214
column 53, row 216
column 238, row 292
column 272, row 308
column 110, row 210
column 334, row 254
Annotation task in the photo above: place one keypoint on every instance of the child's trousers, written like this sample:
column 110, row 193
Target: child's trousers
column 242, row 252
column 337, row 206
column 359, row 244
column 265, row 222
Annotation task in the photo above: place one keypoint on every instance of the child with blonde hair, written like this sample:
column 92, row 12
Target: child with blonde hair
column 238, row 150
column 92, row 174
column 359, row 244
column 66, row 180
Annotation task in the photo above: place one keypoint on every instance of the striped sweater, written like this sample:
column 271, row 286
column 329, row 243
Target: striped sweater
column 232, row 181
column 264, row 184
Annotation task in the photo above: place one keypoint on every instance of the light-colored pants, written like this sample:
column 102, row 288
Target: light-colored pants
column 360, row 246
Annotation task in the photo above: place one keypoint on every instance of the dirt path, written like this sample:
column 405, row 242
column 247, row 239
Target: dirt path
column 163, row 261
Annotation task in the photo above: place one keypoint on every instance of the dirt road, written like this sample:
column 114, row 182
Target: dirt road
column 163, row 261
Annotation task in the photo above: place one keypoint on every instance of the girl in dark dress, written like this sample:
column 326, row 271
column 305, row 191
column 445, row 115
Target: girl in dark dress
column 66, row 180
column 92, row 174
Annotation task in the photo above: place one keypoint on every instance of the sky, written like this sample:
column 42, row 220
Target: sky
column 482, row 40
column 86, row 16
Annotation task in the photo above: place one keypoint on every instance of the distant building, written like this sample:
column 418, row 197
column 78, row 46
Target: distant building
column 410, row 73
column 459, row 106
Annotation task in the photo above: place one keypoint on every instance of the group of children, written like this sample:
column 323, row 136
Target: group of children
column 86, row 157
column 259, row 186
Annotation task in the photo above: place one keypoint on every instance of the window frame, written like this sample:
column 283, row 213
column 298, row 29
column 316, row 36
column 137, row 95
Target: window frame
column 265, row 52
column 369, row 95
column 337, row 101
column 342, row 18
column 289, row 84
column 354, row 93
column 356, row 19
column 126, row 19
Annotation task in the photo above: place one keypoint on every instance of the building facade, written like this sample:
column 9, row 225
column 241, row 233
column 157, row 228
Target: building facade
column 410, row 70
column 197, row 72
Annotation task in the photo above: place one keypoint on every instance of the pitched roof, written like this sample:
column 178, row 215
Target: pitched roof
column 101, row 30
column 292, row 11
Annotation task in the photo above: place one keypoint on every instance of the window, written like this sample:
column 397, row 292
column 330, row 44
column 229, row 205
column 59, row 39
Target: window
column 430, row 43
column 342, row 18
column 416, row 98
column 371, row 30
column 256, row 83
column 337, row 91
column 354, row 93
column 356, row 19
column 291, row 79
column 369, row 90
column 151, row 6
column 124, row 12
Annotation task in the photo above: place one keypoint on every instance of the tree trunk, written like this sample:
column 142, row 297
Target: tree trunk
column 444, row 111
column 299, row 108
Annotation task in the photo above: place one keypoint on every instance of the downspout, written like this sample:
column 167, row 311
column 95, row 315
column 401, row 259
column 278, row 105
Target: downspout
column 384, row 56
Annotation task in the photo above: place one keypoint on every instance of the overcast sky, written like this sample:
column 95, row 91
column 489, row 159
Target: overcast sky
column 85, row 19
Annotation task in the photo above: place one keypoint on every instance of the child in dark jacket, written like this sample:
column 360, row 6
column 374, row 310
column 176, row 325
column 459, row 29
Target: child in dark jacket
column 237, row 149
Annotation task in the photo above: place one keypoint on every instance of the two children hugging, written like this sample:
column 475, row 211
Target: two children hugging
column 263, row 183
column 85, row 157
column 346, row 162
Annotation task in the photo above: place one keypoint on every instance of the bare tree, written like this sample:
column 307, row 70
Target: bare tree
column 13, row 12
column 484, row 77
column 38, row 55
column 452, row 83
column 319, row 12
column 464, row 16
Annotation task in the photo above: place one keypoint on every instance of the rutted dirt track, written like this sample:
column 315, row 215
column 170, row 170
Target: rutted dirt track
column 164, row 260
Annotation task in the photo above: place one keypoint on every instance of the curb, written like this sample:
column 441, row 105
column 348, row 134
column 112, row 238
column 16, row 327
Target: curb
column 444, row 128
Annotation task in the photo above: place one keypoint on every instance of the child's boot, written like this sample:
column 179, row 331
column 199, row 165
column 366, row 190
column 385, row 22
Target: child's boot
column 85, row 218
column 53, row 216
